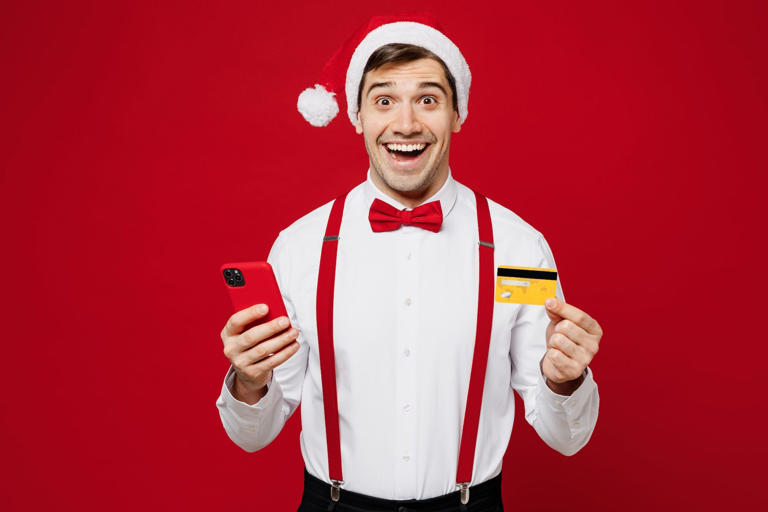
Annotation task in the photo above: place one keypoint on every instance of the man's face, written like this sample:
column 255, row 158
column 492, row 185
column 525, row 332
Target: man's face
column 406, row 117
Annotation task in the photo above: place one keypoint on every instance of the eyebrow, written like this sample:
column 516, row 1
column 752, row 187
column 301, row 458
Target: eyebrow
column 422, row 85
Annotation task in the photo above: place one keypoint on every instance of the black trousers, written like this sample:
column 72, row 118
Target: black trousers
column 484, row 497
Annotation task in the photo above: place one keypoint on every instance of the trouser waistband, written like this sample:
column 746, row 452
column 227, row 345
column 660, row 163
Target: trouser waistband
column 482, row 497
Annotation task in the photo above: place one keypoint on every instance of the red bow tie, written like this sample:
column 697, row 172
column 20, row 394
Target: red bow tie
column 385, row 217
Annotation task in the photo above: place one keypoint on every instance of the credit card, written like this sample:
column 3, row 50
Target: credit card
column 525, row 285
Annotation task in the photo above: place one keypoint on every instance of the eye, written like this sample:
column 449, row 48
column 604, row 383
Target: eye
column 429, row 100
column 383, row 101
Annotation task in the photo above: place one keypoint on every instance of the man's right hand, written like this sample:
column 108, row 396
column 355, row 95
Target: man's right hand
column 256, row 351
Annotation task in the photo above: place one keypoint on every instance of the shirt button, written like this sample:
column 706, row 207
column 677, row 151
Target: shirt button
column 406, row 458
column 408, row 301
column 576, row 424
column 406, row 352
column 407, row 407
column 408, row 257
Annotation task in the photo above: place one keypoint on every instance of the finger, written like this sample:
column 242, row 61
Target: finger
column 574, row 314
column 551, row 367
column 567, row 367
column 563, row 344
column 588, row 342
column 269, row 347
column 574, row 332
column 281, row 356
column 261, row 332
column 554, row 317
column 237, row 322
column 569, row 348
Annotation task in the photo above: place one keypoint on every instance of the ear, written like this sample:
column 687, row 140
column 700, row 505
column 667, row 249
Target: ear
column 456, row 125
column 358, row 124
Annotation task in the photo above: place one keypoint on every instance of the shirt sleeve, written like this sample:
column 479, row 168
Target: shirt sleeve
column 565, row 423
column 252, row 427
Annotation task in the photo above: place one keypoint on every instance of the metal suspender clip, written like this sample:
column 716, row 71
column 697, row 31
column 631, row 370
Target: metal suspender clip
column 336, row 489
column 487, row 244
column 330, row 238
column 464, row 492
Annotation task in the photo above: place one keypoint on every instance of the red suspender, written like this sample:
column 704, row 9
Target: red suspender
column 325, row 286
column 485, row 292
column 324, row 303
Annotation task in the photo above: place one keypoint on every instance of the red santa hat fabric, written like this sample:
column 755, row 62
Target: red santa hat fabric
column 343, row 72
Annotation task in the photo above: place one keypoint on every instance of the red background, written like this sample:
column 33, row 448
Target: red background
column 143, row 144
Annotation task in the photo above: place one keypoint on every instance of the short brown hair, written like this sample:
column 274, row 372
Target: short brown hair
column 399, row 52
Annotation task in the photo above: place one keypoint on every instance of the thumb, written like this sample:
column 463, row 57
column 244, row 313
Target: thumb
column 551, row 306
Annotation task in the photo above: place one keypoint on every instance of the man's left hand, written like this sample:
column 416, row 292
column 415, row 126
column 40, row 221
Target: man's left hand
column 573, row 338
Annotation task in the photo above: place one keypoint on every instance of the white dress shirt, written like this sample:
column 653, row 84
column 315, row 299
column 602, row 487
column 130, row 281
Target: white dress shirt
column 405, row 309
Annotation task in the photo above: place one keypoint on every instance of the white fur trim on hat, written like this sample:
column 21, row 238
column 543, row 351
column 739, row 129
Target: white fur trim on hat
column 408, row 32
column 318, row 106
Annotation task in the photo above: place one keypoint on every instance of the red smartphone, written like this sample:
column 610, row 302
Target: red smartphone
column 250, row 283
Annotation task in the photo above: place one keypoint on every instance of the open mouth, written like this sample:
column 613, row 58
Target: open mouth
column 406, row 152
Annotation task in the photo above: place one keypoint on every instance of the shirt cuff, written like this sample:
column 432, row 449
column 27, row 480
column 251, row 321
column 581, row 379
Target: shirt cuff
column 571, row 403
column 265, row 401
column 578, row 411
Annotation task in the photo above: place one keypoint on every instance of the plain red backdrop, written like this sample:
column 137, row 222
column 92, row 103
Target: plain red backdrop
column 143, row 144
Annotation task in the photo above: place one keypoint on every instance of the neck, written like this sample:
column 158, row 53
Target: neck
column 411, row 199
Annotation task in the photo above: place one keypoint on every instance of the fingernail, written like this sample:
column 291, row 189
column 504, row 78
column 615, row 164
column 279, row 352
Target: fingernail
column 551, row 303
column 283, row 322
column 261, row 308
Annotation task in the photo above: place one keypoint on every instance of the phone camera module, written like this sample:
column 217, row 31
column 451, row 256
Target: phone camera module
column 234, row 277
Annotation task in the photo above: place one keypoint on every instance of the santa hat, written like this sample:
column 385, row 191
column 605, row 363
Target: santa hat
column 344, row 71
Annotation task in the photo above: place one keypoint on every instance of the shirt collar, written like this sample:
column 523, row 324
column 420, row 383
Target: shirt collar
column 446, row 195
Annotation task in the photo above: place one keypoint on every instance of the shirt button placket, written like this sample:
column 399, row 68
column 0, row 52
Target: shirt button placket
column 407, row 334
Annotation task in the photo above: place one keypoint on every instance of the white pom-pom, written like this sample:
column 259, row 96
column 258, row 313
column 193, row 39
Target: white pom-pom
column 318, row 106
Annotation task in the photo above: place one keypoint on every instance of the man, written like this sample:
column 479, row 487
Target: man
column 403, row 356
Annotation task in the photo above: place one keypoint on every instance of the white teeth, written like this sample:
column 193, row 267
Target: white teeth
column 406, row 147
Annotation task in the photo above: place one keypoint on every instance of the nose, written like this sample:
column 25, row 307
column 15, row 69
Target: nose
column 406, row 121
